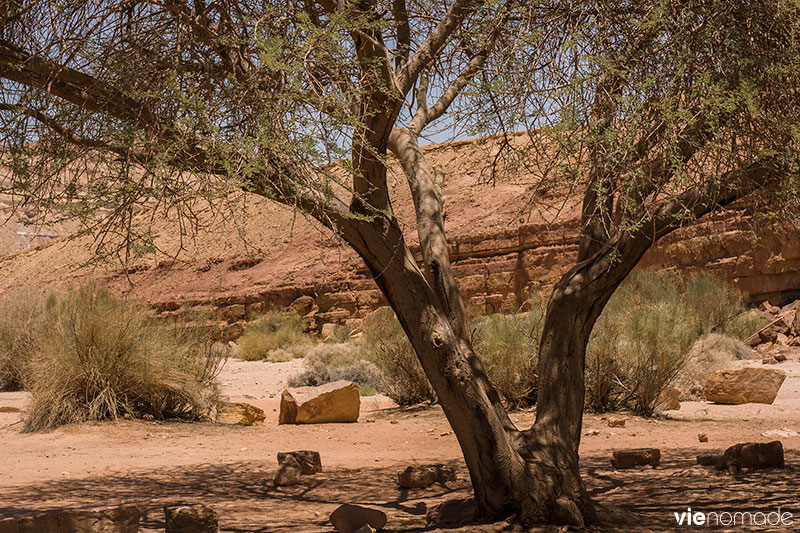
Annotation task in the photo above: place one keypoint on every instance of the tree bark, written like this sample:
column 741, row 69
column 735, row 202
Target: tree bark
column 511, row 472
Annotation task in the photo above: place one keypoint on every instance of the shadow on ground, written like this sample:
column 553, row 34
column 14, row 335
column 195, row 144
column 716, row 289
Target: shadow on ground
column 633, row 500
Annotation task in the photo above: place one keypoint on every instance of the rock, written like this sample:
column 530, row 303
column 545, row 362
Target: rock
column 771, row 309
column 592, row 432
column 197, row 518
column 452, row 513
column 9, row 409
column 303, row 305
column 239, row 413
column 669, row 399
column 327, row 330
column 782, row 340
column 769, row 361
column 333, row 402
column 702, row 437
column 637, row 457
column 349, row 518
column 752, row 456
column 795, row 329
column 616, row 422
column 744, row 385
column 123, row 519
column 422, row 477
column 709, row 459
column 310, row 462
column 288, row 473
column 780, row 357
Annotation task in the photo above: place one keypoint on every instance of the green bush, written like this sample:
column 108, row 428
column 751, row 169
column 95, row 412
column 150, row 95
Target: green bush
column 24, row 317
column 103, row 357
column 331, row 362
column 386, row 345
column 508, row 346
column 746, row 323
column 273, row 336
column 641, row 342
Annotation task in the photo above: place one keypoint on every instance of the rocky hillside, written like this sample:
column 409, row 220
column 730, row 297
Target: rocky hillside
column 262, row 255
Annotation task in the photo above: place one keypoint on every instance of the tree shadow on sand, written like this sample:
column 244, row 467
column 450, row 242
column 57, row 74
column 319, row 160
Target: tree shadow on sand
column 242, row 493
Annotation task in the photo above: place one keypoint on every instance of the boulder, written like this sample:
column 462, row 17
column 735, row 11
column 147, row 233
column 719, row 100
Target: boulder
column 752, row 456
column 702, row 437
column 616, row 422
column 669, row 399
column 239, row 413
column 197, row 518
column 422, row 477
column 123, row 519
column 310, row 462
column 288, row 473
column 350, row 518
column 637, row 457
column 333, row 402
column 452, row 513
column 744, row 385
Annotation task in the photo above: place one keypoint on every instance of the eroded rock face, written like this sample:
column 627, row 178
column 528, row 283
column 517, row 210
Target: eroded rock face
column 240, row 413
column 338, row 401
column 350, row 518
column 744, row 385
column 753, row 456
column 637, row 457
column 123, row 519
column 197, row 518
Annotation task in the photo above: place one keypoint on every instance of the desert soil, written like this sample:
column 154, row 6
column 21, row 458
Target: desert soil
column 151, row 463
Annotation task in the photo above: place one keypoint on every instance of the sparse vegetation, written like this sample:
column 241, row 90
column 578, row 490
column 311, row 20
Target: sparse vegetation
column 508, row 346
column 23, row 318
column 103, row 358
column 331, row 362
column 276, row 336
column 642, row 341
column 709, row 354
column 386, row 344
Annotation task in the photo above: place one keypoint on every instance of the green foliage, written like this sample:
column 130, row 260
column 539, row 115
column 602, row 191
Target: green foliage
column 641, row 342
column 23, row 319
column 508, row 346
column 332, row 362
column 276, row 336
column 746, row 323
column 102, row 357
column 386, row 344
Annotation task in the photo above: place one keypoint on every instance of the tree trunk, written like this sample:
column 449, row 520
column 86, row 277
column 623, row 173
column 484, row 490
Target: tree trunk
column 512, row 472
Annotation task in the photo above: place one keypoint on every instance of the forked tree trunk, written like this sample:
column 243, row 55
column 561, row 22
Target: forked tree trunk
column 531, row 474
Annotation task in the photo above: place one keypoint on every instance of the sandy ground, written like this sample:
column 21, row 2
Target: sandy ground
column 154, row 463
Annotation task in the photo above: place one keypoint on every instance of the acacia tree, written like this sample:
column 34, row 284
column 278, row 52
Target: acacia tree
column 177, row 99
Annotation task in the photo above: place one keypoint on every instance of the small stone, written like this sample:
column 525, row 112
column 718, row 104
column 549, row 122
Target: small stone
column 123, row 519
column 616, row 422
column 422, row 477
column 636, row 457
column 669, row 399
column 592, row 432
column 309, row 461
column 394, row 421
column 349, row 518
column 753, row 456
column 196, row 518
column 288, row 473
column 780, row 357
column 769, row 361
column 239, row 413
column 702, row 437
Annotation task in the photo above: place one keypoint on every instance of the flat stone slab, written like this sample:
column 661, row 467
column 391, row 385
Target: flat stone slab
column 744, row 385
column 123, row 519
column 337, row 401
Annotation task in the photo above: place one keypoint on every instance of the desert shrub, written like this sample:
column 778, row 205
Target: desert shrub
column 386, row 345
column 641, row 342
column 508, row 346
column 746, row 323
column 276, row 330
column 709, row 354
column 104, row 357
column 24, row 317
column 339, row 334
column 331, row 362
